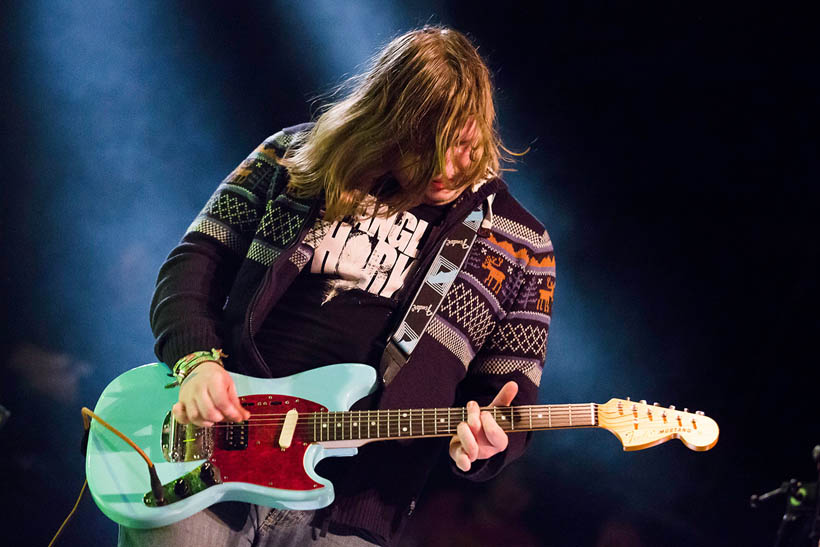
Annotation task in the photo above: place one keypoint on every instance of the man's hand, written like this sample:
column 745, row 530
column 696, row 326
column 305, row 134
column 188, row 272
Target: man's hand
column 480, row 437
column 208, row 395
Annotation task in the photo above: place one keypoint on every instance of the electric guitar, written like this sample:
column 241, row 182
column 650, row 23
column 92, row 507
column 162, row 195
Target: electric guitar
column 295, row 422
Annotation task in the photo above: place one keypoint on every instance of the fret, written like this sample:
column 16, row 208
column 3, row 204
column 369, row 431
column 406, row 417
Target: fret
column 400, row 423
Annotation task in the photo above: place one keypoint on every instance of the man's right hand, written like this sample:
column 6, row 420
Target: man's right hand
column 208, row 395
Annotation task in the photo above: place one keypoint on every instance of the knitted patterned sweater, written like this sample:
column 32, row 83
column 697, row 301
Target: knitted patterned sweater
column 250, row 242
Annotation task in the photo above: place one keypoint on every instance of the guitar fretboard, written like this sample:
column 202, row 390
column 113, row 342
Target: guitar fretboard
column 439, row 422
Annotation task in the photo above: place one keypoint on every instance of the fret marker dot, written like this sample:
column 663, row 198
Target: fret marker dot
column 441, row 420
column 540, row 415
column 355, row 424
column 372, row 423
column 503, row 417
column 338, row 425
column 404, row 429
column 324, row 425
column 404, row 415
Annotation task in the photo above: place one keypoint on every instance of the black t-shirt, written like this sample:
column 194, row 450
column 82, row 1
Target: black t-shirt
column 338, row 309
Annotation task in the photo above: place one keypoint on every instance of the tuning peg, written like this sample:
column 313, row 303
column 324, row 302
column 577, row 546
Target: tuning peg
column 685, row 409
column 671, row 407
column 628, row 399
column 655, row 403
column 699, row 413
column 643, row 401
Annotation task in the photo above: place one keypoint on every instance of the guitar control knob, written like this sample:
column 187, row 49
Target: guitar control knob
column 181, row 488
column 209, row 474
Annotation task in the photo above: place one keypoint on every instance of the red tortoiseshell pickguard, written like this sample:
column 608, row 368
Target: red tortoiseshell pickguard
column 263, row 462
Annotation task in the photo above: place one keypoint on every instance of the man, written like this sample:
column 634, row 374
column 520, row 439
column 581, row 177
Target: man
column 380, row 234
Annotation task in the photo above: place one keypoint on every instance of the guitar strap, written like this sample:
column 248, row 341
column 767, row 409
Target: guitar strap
column 440, row 276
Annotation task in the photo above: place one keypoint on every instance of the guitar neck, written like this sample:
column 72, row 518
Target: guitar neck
column 382, row 425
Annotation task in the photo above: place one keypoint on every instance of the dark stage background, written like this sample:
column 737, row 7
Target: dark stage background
column 673, row 155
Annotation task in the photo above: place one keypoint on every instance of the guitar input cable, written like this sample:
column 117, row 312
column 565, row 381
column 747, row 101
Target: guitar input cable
column 156, row 485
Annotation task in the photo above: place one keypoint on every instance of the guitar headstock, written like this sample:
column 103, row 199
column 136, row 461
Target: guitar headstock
column 639, row 425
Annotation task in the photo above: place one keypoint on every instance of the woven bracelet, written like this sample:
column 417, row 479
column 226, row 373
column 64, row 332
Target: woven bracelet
column 187, row 364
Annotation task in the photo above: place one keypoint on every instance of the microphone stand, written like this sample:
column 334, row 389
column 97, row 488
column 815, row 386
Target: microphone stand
column 814, row 535
column 798, row 497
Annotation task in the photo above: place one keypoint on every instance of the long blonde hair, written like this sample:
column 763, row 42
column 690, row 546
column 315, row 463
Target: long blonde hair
column 408, row 107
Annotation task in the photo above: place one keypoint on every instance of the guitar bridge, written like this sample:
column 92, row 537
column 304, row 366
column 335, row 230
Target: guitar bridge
column 185, row 442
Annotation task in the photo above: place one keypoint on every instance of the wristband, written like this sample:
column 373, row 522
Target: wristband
column 187, row 364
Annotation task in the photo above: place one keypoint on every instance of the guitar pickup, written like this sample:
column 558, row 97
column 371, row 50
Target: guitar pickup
column 234, row 435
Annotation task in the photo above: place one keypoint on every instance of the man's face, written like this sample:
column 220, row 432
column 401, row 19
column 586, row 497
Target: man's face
column 440, row 190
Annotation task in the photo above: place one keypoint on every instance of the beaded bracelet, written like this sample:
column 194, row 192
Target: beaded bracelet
column 187, row 364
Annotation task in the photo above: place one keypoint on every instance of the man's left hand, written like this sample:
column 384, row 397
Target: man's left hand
column 480, row 437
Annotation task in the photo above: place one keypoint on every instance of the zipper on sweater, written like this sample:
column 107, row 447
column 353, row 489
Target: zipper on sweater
column 311, row 218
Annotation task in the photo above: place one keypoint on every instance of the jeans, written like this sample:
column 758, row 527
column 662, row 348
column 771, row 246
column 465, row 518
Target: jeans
column 239, row 524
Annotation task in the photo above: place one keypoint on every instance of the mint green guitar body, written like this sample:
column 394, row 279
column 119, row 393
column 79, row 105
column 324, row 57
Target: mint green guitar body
column 253, row 468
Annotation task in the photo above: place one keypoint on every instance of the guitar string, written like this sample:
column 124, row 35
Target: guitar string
column 520, row 413
column 415, row 419
column 427, row 424
column 524, row 410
